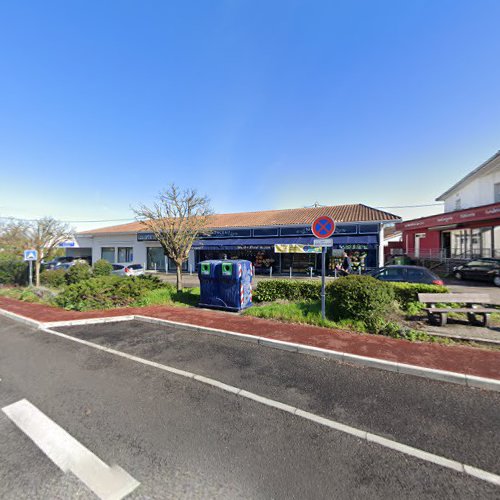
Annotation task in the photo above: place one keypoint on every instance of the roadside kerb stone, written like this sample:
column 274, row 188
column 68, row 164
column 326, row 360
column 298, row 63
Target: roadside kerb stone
column 88, row 321
column 419, row 371
column 21, row 319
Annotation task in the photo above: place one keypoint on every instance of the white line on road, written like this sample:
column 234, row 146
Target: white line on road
column 372, row 438
column 108, row 483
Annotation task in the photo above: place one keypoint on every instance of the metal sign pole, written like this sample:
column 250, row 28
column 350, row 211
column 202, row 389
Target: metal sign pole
column 323, row 266
column 31, row 272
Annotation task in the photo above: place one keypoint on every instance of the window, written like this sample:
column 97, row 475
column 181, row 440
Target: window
column 155, row 259
column 458, row 204
column 417, row 275
column 390, row 274
column 108, row 253
column 125, row 254
column 497, row 192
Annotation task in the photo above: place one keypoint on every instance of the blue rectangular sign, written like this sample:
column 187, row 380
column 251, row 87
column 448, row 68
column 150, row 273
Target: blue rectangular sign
column 30, row 255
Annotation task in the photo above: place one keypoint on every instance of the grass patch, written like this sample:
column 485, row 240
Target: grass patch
column 309, row 312
column 188, row 297
column 303, row 312
column 169, row 296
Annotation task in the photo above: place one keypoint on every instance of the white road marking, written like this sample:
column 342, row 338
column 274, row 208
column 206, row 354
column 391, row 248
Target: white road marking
column 369, row 437
column 108, row 483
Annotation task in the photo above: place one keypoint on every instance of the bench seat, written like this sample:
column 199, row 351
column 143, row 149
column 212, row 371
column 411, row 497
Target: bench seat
column 477, row 313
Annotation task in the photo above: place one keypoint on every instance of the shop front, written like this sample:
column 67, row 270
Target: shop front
column 292, row 255
column 464, row 234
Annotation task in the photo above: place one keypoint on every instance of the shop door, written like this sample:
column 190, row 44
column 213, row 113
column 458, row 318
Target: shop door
column 418, row 236
column 446, row 244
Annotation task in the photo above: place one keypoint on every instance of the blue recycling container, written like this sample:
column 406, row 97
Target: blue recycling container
column 225, row 284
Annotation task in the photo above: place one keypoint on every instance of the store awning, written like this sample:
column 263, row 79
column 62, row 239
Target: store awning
column 268, row 243
column 368, row 239
column 249, row 243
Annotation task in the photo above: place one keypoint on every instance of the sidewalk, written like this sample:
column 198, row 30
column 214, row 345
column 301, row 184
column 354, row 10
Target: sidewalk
column 462, row 359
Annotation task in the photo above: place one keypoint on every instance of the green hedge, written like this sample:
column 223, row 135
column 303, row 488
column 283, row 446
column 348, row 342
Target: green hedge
column 55, row 278
column 271, row 290
column 285, row 289
column 13, row 270
column 361, row 298
column 81, row 271
column 106, row 292
column 102, row 268
column 406, row 293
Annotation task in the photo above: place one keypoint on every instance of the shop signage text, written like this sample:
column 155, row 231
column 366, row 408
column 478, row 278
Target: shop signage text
column 468, row 215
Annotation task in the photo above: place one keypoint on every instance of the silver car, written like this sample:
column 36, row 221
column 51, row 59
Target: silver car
column 127, row 269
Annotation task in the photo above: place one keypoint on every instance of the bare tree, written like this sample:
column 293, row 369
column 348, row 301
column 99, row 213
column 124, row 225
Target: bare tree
column 43, row 235
column 13, row 237
column 176, row 219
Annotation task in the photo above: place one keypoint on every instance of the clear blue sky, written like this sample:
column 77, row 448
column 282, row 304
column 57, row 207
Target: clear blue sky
column 259, row 104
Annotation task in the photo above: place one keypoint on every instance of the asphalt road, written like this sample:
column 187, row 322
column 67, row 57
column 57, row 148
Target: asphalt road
column 181, row 438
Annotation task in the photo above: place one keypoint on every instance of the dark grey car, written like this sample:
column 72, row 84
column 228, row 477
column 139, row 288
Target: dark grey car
column 407, row 274
column 479, row 270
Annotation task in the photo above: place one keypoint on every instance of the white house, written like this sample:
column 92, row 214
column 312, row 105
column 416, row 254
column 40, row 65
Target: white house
column 479, row 187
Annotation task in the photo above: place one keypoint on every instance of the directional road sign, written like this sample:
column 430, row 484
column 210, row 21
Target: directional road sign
column 323, row 243
column 323, row 227
column 30, row 255
column 65, row 244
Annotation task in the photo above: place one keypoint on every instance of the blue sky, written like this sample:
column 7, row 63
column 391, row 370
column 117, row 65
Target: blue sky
column 259, row 104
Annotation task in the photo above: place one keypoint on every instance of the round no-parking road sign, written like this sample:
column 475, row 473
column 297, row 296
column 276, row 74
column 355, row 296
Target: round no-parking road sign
column 323, row 227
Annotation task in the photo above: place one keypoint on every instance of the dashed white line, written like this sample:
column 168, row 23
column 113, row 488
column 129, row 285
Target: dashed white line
column 338, row 426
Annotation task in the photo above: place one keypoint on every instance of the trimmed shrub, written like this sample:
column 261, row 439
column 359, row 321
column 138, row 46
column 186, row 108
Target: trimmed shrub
column 406, row 293
column 102, row 268
column 152, row 282
column 79, row 272
column 271, row 290
column 13, row 271
column 107, row 292
column 361, row 298
column 104, row 292
column 55, row 278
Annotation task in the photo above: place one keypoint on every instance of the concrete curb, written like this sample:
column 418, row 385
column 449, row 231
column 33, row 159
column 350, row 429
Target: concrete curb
column 21, row 319
column 419, row 371
column 325, row 421
column 364, row 361
column 478, row 340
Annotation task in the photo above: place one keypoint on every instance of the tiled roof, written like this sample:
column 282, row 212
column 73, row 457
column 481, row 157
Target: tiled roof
column 289, row 217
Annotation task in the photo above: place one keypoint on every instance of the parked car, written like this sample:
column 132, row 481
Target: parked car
column 407, row 274
column 59, row 261
column 479, row 270
column 127, row 269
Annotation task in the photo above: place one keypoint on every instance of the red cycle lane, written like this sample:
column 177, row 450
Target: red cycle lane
column 457, row 358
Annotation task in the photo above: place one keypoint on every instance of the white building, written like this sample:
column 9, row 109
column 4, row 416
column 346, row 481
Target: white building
column 479, row 187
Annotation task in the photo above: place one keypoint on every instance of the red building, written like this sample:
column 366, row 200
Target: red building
column 470, row 226
column 467, row 234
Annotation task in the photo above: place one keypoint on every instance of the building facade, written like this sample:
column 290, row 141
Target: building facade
column 275, row 241
column 470, row 225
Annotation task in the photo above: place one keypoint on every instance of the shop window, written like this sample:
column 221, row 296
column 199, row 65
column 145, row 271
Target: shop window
column 172, row 266
column 155, row 259
column 108, row 253
column 496, row 242
column 487, row 242
column 125, row 254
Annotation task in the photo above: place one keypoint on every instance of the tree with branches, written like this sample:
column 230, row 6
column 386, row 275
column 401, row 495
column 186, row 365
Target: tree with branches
column 43, row 235
column 176, row 219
